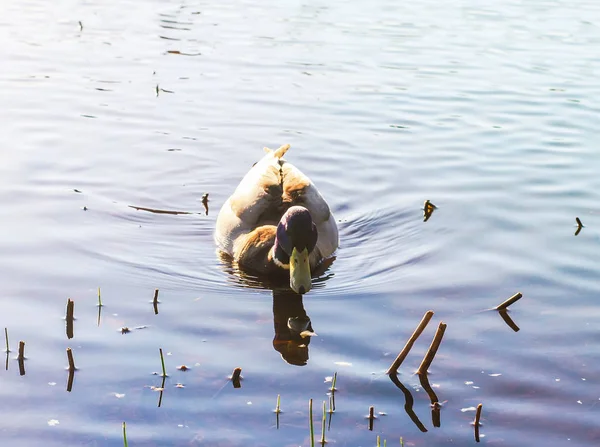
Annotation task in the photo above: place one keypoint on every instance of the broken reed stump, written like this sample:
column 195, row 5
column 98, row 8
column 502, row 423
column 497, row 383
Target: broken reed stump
column 477, row 419
column 371, row 417
column 71, row 361
column 513, row 299
column 435, row 344
column 155, row 302
column 236, row 377
column 579, row 226
column 409, row 344
column 21, row 358
column 70, row 317
column 310, row 424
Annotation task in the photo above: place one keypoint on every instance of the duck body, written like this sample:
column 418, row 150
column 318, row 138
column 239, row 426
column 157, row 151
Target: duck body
column 277, row 223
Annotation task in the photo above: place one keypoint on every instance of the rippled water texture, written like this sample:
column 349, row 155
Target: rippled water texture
column 491, row 113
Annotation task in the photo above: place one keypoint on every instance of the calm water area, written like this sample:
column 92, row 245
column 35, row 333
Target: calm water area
column 488, row 109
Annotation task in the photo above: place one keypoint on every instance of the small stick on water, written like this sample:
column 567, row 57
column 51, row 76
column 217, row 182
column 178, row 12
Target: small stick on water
column 513, row 299
column 310, row 424
column 371, row 417
column 99, row 298
column 409, row 344
column 71, row 361
column 6, row 338
column 162, row 361
column 477, row 419
column 278, row 407
column 579, row 224
column 155, row 302
column 435, row 344
column 236, row 377
column 323, row 426
column 21, row 350
column 70, row 317
column 125, row 435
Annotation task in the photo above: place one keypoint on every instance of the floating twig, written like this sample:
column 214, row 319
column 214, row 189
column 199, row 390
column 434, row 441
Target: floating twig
column 477, row 419
column 236, row 377
column 513, row 299
column 124, row 435
column 435, row 344
column 310, row 424
column 162, row 362
column 371, row 417
column 409, row 344
column 323, row 441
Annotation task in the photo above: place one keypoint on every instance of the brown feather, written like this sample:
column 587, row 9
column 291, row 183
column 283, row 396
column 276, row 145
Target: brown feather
column 254, row 250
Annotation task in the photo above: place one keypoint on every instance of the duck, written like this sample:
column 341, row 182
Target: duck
column 276, row 223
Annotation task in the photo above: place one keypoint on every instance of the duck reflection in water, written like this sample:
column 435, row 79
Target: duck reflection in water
column 292, row 326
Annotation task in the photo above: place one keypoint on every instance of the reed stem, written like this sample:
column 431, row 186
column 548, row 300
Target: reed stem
column 409, row 344
column 21, row 350
column 125, row 435
column 477, row 420
column 516, row 297
column 323, row 426
column 310, row 424
column 435, row 344
column 71, row 361
column 162, row 361
column 6, row 338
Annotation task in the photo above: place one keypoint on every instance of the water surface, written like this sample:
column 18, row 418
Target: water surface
column 488, row 111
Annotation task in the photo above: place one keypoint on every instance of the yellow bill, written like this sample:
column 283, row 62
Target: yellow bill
column 300, row 271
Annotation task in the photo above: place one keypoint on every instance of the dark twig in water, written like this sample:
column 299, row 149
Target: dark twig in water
column 477, row 419
column 152, row 210
column 70, row 317
column 236, row 377
column 155, row 302
column 579, row 226
column 371, row 417
column 21, row 358
column 71, row 361
column 513, row 299
column 162, row 362
column 205, row 202
column 435, row 344
column 393, row 369
column 509, row 321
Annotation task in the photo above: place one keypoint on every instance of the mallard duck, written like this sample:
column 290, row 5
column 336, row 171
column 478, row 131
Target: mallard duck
column 277, row 223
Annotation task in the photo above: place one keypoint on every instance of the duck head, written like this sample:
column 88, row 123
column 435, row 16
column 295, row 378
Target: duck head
column 296, row 238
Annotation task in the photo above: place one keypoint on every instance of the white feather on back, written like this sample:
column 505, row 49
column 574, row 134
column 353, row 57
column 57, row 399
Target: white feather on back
column 271, row 182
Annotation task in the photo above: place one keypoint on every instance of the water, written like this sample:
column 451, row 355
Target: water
column 489, row 112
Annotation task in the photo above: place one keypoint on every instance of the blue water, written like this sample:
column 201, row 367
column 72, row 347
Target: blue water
column 490, row 112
